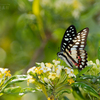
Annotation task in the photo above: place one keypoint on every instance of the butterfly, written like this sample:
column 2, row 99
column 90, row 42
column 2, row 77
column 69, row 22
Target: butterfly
column 72, row 47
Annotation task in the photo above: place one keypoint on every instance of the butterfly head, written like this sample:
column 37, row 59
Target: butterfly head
column 60, row 55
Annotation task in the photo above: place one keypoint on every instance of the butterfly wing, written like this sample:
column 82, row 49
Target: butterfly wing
column 77, row 50
column 68, row 37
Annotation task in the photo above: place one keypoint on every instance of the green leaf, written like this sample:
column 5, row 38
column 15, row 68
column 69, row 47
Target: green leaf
column 64, row 98
column 12, row 90
column 28, row 89
column 60, row 92
column 14, row 79
column 84, row 70
column 84, row 77
column 99, row 53
column 43, row 89
column 62, row 78
column 86, row 88
column 18, row 90
column 77, row 93
column 18, row 78
column 7, row 82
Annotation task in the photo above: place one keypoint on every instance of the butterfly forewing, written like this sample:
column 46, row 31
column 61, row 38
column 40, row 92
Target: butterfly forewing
column 67, row 40
column 73, row 45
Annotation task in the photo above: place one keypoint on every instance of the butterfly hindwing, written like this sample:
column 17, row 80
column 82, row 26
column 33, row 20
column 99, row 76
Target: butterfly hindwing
column 80, row 55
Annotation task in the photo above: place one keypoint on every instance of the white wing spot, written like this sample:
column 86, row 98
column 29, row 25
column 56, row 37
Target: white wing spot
column 74, row 37
column 78, row 36
column 80, row 66
column 77, row 43
column 82, row 63
column 80, row 48
column 83, row 53
column 69, row 30
column 83, row 36
column 79, row 40
column 84, row 30
column 68, row 34
column 70, row 38
column 70, row 27
column 65, row 35
column 66, row 39
column 73, row 32
column 83, row 39
column 82, row 57
column 75, row 46
column 68, row 47
column 62, row 48
column 81, row 45
column 73, row 49
column 78, row 33
column 70, row 44
column 74, row 40
column 65, row 44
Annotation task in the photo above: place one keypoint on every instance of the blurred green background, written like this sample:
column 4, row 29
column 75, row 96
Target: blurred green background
column 31, row 31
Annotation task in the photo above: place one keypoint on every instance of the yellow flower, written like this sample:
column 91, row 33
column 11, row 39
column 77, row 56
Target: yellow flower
column 7, row 73
column 30, row 80
column 53, row 76
column 51, row 97
column 38, row 71
column 77, row 4
column 49, row 65
column 0, row 75
column 70, row 81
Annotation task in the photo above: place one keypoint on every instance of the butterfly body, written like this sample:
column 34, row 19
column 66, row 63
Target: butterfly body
column 72, row 47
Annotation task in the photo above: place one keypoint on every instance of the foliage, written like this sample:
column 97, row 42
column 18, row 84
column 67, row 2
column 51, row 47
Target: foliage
column 54, row 80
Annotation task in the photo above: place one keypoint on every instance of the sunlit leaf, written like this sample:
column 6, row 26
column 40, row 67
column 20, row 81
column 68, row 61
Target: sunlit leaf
column 28, row 89
column 43, row 89
column 62, row 78
column 86, row 88
column 60, row 92
column 12, row 90
column 18, row 78
column 65, row 98
column 77, row 93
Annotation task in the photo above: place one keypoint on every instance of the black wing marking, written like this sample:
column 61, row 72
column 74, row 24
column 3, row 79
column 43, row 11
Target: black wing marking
column 68, row 37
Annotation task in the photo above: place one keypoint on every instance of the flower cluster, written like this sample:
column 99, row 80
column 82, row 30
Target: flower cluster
column 48, row 72
column 95, row 67
column 48, row 77
column 4, row 75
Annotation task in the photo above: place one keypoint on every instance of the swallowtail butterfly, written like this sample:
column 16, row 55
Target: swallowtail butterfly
column 72, row 47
